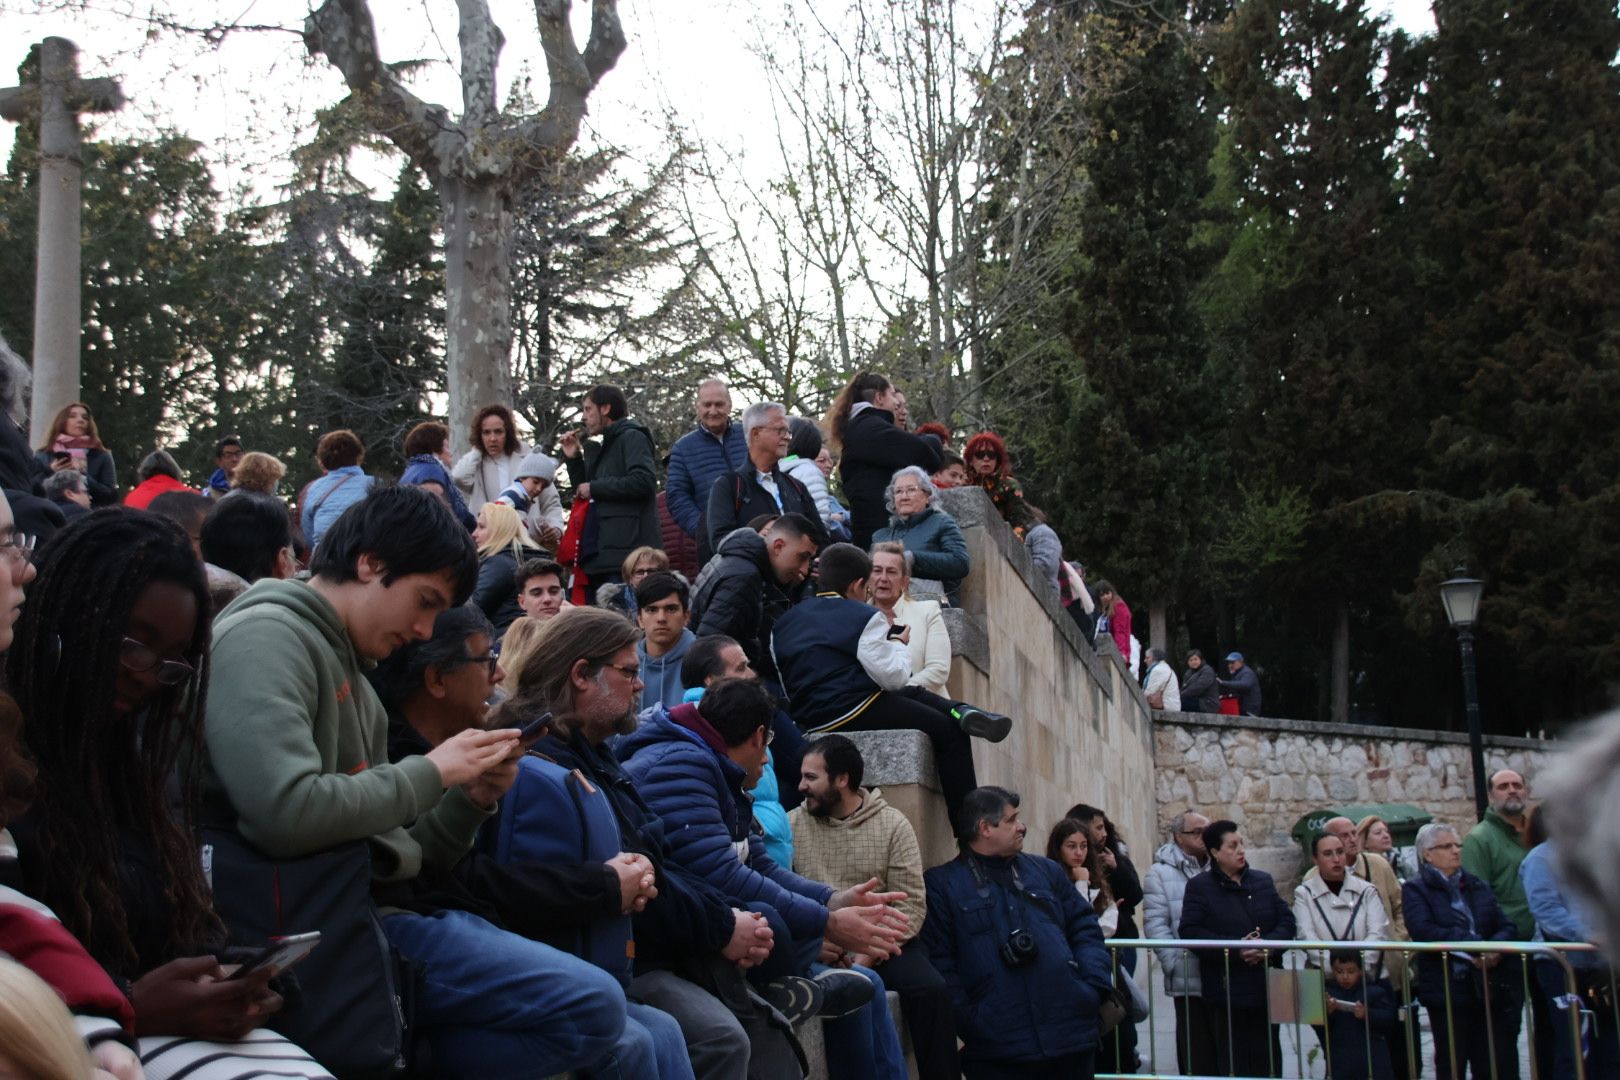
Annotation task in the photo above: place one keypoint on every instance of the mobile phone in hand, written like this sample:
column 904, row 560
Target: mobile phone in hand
column 897, row 629
column 281, row 954
column 534, row 728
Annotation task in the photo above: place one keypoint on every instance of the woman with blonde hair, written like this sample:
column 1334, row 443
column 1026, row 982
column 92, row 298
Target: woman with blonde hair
column 503, row 545
column 37, row 1036
column 258, row 471
column 521, row 638
column 621, row 596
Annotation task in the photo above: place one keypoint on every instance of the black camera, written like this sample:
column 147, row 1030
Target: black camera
column 1019, row 949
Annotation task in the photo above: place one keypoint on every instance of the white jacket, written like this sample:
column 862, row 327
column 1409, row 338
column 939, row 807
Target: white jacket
column 1162, row 892
column 1161, row 679
column 930, row 643
column 482, row 479
column 1354, row 913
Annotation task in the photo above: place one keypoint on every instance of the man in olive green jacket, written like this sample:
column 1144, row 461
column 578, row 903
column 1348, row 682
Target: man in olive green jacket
column 1495, row 848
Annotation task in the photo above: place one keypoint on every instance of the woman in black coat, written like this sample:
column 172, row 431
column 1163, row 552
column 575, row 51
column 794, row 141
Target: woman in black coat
column 874, row 449
column 1198, row 690
column 1232, row 901
column 1444, row 902
column 74, row 443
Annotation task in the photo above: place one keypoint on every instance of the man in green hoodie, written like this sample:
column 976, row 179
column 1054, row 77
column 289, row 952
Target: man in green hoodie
column 298, row 744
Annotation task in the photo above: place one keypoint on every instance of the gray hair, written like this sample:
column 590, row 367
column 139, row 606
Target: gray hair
column 62, row 482
column 983, row 806
column 1155, row 653
column 16, row 381
column 1430, row 834
column 759, row 415
column 920, row 475
column 1179, row 822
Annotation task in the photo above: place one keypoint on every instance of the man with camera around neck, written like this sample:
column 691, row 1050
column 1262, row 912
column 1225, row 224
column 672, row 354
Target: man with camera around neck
column 1011, row 927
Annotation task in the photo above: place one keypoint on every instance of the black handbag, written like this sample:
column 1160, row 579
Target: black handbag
column 354, row 1004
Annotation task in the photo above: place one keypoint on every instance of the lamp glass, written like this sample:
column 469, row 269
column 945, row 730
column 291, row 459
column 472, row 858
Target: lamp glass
column 1461, row 597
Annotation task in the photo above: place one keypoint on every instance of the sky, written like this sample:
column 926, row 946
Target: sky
column 250, row 98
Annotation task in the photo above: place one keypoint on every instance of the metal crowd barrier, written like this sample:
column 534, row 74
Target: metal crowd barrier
column 1310, row 1052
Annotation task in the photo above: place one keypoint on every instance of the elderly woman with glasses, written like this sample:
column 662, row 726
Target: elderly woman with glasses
column 1472, row 998
column 930, row 535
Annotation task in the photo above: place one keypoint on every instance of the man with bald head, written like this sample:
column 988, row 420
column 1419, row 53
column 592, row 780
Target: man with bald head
column 716, row 446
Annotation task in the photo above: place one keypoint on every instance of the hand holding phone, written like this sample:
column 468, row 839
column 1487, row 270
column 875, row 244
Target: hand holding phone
column 280, row 954
column 535, row 728
column 897, row 630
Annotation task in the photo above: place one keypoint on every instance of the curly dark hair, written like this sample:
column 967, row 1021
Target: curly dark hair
column 16, row 771
column 477, row 440
column 98, row 770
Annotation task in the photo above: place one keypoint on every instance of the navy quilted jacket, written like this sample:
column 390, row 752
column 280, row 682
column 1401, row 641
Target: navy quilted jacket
column 709, row 821
column 696, row 460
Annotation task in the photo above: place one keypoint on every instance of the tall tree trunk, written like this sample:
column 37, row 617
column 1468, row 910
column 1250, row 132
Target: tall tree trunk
column 1159, row 625
column 477, row 223
column 1340, row 709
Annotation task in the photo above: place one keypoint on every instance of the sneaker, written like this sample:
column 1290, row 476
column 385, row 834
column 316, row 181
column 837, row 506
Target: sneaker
column 992, row 727
column 843, row 992
column 796, row 998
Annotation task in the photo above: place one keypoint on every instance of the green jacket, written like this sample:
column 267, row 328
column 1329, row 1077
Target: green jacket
column 1493, row 852
column 298, row 742
column 623, row 474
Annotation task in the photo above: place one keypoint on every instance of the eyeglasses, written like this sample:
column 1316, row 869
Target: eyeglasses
column 908, row 491
column 19, row 548
column 629, row 671
column 490, row 660
column 1192, row 832
column 143, row 658
column 1448, row 846
column 984, row 453
column 770, row 734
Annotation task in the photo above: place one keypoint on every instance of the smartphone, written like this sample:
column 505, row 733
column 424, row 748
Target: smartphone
column 534, row 728
column 281, row 954
column 897, row 629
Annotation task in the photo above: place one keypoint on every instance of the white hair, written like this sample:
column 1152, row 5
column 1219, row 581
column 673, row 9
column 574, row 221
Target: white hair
column 759, row 415
column 916, row 473
column 1429, row 835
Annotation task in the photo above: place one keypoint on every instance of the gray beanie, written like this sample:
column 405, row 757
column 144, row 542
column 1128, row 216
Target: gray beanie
column 539, row 466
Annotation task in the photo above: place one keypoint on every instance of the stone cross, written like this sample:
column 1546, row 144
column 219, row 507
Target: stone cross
column 55, row 100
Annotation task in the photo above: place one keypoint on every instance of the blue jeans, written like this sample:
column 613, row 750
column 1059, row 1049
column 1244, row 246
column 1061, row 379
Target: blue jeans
column 864, row 1043
column 663, row 1039
column 495, row 1005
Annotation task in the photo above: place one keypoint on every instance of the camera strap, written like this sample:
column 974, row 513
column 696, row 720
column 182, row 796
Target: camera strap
column 982, row 883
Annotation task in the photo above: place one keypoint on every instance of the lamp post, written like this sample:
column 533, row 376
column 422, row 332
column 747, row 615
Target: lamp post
column 1460, row 595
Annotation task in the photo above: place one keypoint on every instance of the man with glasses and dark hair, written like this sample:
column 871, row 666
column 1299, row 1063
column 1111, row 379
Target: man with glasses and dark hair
column 227, row 453
column 297, row 746
column 1178, row 861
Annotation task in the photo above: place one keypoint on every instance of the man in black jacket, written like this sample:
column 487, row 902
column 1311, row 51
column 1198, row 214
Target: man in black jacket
column 756, row 580
column 620, row 479
column 874, row 450
column 759, row 487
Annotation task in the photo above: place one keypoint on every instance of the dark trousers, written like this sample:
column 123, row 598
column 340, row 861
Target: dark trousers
column 1477, row 1037
column 1069, row 1067
column 1195, row 1036
column 925, row 1005
column 915, row 709
column 787, row 751
column 1246, row 1041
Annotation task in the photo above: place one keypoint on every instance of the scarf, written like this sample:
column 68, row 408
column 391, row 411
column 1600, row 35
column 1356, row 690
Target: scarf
column 77, row 445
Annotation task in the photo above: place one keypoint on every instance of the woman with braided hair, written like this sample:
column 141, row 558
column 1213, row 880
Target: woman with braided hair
column 109, row 666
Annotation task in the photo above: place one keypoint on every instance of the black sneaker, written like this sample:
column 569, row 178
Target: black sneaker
column 843, row 992
column 796, row 998
column 992, row 727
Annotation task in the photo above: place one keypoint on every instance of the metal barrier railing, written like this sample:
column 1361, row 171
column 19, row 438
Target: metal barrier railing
column 1512, row 1002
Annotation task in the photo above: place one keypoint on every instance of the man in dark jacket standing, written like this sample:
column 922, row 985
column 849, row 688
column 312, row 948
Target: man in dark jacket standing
column 1235, row 902
column 1025, row 1004
column 758, row 487
column 874, row 450
column 756, row 580
column 1244, row 684
column 715, row 447
column 621, row 480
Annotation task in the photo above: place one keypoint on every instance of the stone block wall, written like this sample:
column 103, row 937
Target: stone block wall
column 1266, row 774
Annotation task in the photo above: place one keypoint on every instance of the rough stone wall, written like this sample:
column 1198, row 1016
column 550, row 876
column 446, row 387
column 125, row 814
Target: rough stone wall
column 1266, row 774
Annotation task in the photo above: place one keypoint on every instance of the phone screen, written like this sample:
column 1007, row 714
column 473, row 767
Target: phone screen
column 281, row 953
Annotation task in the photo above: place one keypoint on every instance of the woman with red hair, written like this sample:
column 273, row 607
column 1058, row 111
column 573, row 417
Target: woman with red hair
column 990, row 467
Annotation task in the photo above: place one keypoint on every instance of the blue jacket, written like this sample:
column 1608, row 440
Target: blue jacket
column 696, row 460
column 662, row 674
column 1042, row 1010
column 327, row 497
column 708, row 819
column 815, row 645
column 426, row 467
column 1216, row 907
column 1558, row 916
column 1430, row 917
column 938, row 549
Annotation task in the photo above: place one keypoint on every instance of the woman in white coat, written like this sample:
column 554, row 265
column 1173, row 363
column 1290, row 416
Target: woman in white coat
column 490, row 466
column 930, row 642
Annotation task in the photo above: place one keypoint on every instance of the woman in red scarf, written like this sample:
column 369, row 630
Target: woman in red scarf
column 990, row 467
column 74, row 443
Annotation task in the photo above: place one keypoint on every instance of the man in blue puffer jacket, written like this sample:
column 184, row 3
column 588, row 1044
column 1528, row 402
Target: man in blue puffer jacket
column 1022, row 957
column 710, row 450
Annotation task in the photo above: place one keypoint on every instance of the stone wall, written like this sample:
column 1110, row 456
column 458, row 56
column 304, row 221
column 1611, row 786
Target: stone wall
column 1266, row 774
column 1082, row 731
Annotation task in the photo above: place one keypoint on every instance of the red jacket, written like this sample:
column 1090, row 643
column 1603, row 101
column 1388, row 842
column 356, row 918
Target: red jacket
column 42, row 946
column 1119, row 624
column 141, row 495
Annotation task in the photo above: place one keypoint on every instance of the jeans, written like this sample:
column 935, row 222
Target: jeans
column 864, row 1043
column 495, row 1005
column 787, row 750
column 715, row 1040
column 660, row 1038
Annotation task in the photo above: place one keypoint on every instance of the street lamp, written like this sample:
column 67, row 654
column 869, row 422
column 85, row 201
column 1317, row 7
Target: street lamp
column 1460, row 595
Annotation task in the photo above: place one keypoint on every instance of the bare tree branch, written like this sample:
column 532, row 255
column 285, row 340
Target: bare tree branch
column 481, row 42
column 573, row 75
